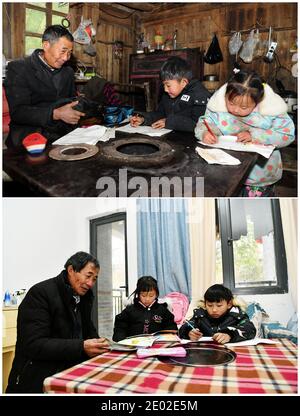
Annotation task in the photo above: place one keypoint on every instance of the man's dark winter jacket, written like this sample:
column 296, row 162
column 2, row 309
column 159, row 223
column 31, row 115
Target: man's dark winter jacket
column 234, row 323
column 137, row 319
column 182, row 112
column 49, row 334
column 33, row 90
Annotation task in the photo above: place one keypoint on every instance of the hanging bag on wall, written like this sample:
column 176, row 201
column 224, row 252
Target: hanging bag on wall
column 235, row 43
column 213, row 54
column 249, row 46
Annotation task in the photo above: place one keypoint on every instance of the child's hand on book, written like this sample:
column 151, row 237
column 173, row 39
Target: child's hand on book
column 136, row 120
column 244, row 137
column 159, row 124
column 221, row 338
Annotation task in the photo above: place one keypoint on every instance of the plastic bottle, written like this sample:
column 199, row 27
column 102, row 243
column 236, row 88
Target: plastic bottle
column 7, row 299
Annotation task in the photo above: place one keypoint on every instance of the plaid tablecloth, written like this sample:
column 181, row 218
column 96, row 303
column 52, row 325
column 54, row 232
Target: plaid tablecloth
column 260, row 369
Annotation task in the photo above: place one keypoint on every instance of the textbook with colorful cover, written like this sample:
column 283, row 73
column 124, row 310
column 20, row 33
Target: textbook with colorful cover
column 147, row 340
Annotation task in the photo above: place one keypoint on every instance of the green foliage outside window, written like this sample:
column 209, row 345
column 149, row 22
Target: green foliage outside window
column 248, row 262
column 35, row 21
column 61, row 7
column 56, row 20
column 32, row 43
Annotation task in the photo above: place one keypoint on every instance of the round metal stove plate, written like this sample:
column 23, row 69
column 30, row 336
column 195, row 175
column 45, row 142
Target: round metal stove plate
column 202, row 355
column 138, row 151
column 73, row 152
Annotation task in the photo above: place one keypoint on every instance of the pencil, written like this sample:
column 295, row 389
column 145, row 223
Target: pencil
column 209, row 129
column 190, row 324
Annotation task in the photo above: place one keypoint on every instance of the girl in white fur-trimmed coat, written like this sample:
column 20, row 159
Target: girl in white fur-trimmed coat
column 252, row 111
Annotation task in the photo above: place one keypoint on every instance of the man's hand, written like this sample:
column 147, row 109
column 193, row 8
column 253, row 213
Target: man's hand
column 67, row 114
column 244, row 137
column 159, row 124
column 221, row 338
column 95, row 346
column 209, row 138
column 136, row 120
column 195, row 334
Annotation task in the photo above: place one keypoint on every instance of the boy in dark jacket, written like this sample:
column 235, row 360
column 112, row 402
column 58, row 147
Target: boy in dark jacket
column 183, row 102
column 220, row 319
column 146, row 315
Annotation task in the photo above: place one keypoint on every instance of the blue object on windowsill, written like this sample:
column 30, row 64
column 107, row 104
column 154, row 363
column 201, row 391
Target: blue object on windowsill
column 7, row 299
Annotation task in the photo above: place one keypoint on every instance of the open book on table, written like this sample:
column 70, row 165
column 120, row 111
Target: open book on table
column 147, row 340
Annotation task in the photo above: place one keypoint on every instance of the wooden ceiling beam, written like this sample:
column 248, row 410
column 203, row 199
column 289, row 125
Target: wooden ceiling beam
column 142, row 7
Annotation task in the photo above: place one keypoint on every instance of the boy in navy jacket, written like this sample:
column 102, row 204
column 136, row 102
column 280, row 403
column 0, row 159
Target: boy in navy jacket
column 182, row 103
column 219, row 319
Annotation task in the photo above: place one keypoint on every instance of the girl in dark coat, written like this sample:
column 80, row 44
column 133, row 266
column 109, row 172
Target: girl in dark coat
column 146, row 315
column 219, row 319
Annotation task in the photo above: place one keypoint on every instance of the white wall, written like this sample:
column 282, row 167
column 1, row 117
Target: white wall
column 40, row 234
column 92, row 208
column 279, row 307
column 38, row 237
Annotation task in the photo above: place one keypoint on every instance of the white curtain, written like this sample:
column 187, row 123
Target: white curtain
column 202, row 226
column 289, row 209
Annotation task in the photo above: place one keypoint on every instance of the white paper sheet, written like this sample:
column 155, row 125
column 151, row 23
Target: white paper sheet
column 202, row 339
column 230, row 143
column 217, row 156
column 253, row 341
column 88, row 135
column 148, row 130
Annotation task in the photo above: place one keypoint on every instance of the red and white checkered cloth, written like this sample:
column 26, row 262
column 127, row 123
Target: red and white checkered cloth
column 259, row 369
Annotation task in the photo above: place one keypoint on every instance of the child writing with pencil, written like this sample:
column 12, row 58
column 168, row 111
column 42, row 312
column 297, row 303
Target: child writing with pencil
column 218, row 319
column 145, row 315
column 250, row 110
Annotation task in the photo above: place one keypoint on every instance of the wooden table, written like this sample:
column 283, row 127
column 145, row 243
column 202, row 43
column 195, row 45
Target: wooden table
column 47, row 177
column 259, row 369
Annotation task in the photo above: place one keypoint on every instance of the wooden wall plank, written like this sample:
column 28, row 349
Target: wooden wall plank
column 195, row 22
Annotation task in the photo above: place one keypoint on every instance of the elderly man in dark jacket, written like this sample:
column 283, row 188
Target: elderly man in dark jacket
column 39, row 88
column 54, row 327
column 182, row 103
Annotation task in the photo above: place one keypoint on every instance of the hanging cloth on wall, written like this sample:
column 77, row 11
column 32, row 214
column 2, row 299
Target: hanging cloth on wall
column 214, row 53
column 83, row 34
